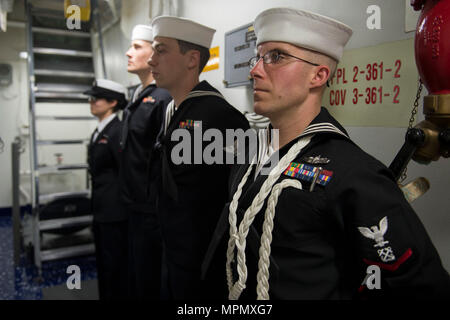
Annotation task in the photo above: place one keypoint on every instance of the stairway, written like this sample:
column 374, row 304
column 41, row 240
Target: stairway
column 60, row 67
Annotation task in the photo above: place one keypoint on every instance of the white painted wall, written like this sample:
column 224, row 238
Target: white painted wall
column 13, row 102
column 115, row 45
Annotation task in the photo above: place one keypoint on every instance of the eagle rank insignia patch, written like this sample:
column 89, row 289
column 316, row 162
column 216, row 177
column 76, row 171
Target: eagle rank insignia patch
column 316, row 160
column 376, row 233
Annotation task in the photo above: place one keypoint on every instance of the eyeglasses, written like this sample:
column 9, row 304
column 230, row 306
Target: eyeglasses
column 274, row 57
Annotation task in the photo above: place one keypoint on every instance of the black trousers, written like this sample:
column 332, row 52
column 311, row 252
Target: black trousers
column 111, row 249
column 144, row 256
column 186, row 283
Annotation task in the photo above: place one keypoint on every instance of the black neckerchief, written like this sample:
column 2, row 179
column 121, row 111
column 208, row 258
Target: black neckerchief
column 162, row 141
column 129, row 109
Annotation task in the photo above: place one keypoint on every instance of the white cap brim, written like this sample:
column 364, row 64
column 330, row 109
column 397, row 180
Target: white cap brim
column 110, row 85
column 303, row 29
column 142, row 32
column 183, row 29
column 107, row 89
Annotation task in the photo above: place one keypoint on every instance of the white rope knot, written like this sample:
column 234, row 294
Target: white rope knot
column 235, row 289
column 234, row 237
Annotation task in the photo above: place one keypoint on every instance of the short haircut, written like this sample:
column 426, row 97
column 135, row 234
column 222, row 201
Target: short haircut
column 323, row 59
column 204, row 52
column 121, row 104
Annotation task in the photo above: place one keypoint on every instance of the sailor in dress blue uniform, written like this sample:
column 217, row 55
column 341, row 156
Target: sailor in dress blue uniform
column 313, row 224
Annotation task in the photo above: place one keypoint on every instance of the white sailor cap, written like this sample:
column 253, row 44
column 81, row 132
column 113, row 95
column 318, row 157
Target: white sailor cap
column 183, row 29
column 142, row 32
column 103, row 88
column 303, row 29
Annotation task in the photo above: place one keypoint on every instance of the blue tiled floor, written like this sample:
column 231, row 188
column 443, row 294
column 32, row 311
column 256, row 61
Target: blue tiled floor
column 6, row 260
column 22, row 282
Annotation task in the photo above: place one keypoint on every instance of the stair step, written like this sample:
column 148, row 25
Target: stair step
column 63, row 52
column 49, row 13
column 60, row 253
column 62, row 73
column 60, row 32
column 61, row 87
column 46, row 198
column 57, row 142
column 53, row 224
column 60, row 95
column 62, row 167
column 65, row 118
